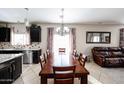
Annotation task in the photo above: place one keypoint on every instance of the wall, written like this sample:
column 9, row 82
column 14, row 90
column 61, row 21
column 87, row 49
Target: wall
column 80, row 35
column 82, row 46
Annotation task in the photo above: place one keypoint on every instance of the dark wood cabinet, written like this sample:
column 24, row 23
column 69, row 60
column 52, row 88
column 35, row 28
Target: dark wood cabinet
column 35, row 33
column 10, row 52
column 10, row 70
column 36, row 56
column 16, row 67
column 4, row 34
column 5, row 73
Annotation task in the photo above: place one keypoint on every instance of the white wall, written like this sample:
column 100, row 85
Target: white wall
column 81, row 35
column 84, row 47
column 81, row 44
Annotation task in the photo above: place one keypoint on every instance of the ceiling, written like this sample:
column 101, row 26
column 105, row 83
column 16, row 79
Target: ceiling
column 71, row 15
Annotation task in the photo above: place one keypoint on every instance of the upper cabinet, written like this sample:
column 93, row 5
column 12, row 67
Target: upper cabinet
column 35, row 33
column 4, row 34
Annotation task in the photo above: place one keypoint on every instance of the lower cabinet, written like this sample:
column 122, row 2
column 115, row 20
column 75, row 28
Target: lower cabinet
column 16, row 65
column 36, row 56
column 5, row 74
column 10, row 70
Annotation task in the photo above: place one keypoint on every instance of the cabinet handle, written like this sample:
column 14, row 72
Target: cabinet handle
column 10, row 69
column 13, row 67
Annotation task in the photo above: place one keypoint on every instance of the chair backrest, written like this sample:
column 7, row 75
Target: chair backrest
column 82, row 59
column 62, row 50
column 42, row 60
column 45, row 59
column 47, row 53
column 64, row 75
column 75, row 53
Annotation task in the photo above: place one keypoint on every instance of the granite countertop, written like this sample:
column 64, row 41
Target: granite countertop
column 7, row 57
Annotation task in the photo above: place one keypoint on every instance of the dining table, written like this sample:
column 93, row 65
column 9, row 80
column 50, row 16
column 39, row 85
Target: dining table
column 63, row 59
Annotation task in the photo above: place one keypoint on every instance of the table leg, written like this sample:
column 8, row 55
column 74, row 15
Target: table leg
column 43, row 80
column 84, row 79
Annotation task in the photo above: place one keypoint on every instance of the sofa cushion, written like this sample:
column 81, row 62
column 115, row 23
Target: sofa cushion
column 113, row 60
column 117, row 53
column 101, row 48
column 114, row 49
column 105, row 53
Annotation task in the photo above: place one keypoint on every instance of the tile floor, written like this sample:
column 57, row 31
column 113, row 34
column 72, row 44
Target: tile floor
column 106, row 75
column 98, row 75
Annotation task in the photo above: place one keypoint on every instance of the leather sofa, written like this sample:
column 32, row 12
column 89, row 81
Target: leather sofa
column 108, row 56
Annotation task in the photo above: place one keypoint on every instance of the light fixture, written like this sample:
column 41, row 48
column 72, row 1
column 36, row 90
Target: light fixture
column 62, row 30
column 26, row 21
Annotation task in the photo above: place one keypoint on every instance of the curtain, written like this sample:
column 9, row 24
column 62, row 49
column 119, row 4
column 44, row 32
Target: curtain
column 121, row 43
column 50, row 39
column 73, row 39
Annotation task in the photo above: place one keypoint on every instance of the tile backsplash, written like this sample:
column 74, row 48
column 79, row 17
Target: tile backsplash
column 7, row 45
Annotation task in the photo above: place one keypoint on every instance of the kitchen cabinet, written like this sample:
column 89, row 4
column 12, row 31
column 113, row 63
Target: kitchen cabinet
column 10, row 70
column 16, row 65
column 4, row 34
column 5, row 73
column 36, row 56
column 35, row 33
column 10, row 52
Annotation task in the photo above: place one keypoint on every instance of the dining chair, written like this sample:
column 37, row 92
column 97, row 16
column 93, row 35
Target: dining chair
column 82, row 59
column 42, row 60
column 64, row 75
column 74, row 51
column 62, row 50
column 75, row 55
column 47, row 53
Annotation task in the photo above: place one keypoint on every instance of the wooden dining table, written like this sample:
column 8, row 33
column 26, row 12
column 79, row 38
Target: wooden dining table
column 62, row 59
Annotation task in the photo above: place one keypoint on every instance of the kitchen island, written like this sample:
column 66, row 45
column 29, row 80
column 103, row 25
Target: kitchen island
column 31, row 55
column 10, row 67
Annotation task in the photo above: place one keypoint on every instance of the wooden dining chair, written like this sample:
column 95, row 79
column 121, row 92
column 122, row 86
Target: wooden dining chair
column 62, row 50
column 75, row 54
column 82, row 59
column 47, row 53
column 42, row 60
column 64, row 75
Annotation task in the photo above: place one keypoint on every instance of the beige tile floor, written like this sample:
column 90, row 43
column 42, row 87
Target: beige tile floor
column 106, row 75
column 98, row 75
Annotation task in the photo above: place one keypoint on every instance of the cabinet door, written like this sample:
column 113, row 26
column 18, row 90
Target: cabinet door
column 17, row 67
column 35, row 34
column 36, row 56
column 5, row 74
column 7, row 39
column 4, row 34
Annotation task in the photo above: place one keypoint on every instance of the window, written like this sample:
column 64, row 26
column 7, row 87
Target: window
column 20, row 39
